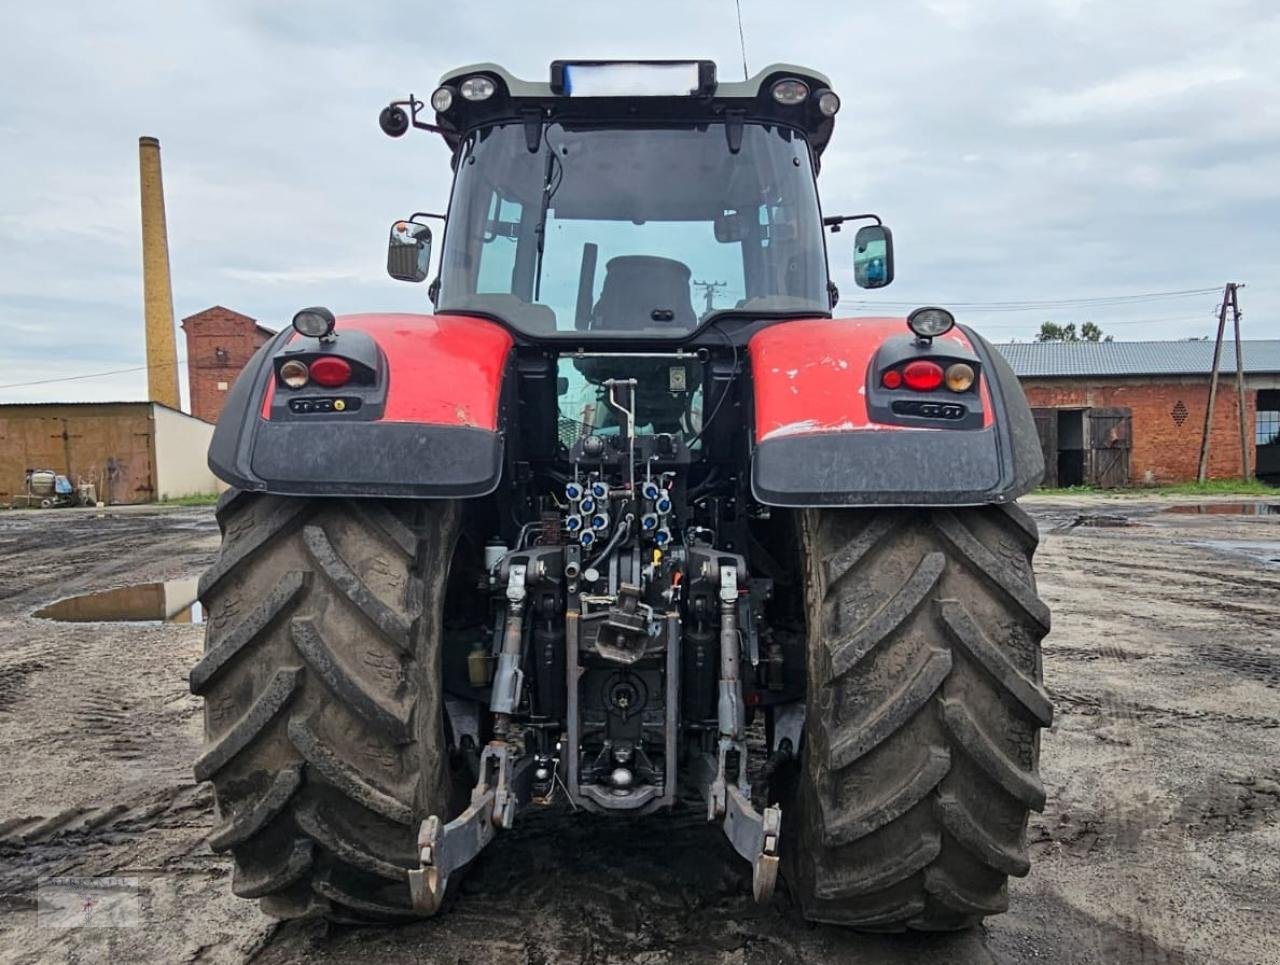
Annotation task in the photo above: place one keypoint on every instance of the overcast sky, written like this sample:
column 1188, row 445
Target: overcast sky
column 1022, row 152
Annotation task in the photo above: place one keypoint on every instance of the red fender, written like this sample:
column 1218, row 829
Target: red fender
column 428, row 427
column 809, row 376
column 443, row 369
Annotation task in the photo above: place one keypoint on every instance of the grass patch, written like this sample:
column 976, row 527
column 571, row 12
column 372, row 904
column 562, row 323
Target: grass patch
column 1214, row 487
column 199, row 499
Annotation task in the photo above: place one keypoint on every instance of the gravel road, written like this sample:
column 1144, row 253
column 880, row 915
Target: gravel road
column 1160, row 842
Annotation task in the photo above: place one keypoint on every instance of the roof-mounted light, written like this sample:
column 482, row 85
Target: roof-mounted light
column 790, row 92
column 441, row 100
column 828, row 103
column 931, row 322
column 477, row 88
column 633, row 78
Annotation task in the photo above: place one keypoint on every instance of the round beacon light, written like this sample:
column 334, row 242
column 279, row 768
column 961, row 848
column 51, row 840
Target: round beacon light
column 931, row 322
column 294, row 374
column 477, row 88
column 441, row 100
column 314, row 322
column 790, row 92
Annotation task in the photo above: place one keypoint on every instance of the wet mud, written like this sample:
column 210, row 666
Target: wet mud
column 1160, row 842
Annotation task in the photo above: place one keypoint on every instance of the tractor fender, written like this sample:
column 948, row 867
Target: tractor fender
column 825, row 432
column 423, row 420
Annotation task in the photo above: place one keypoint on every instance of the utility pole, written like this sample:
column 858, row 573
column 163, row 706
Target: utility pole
column 709, row 291
column 1229, row 300
column 1241, row 405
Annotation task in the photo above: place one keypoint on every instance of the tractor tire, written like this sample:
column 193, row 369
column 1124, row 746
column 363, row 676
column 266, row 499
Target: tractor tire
column 323, row 712
column 924, row 707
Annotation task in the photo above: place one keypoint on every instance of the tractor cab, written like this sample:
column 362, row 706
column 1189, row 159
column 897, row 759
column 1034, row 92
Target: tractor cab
column 633, row 200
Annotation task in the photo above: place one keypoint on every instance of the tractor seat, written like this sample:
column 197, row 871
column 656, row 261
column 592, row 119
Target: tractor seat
column 639, row 291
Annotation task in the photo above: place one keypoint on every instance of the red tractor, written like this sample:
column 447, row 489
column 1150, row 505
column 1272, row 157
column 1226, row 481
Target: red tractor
column 629, row 521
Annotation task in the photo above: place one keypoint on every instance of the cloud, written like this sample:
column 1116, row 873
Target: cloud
column 1133, row 92
column 1065, row 149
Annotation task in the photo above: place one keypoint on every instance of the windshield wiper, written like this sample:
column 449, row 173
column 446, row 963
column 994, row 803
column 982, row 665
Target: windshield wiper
column 548, row 192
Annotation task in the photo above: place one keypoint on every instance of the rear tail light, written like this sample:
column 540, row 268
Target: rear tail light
column 294, row 374
column 959, row 377
column 330, row 372
column 920, row 376
column 891, row 379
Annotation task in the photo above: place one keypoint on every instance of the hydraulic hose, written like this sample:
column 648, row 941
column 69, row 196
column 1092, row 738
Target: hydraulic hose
column 619, row 533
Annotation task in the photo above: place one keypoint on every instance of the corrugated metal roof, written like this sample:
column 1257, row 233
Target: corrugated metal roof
column 1066, row 359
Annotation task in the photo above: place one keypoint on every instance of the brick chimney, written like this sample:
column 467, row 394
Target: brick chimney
column 219, row 344
column 162, row 353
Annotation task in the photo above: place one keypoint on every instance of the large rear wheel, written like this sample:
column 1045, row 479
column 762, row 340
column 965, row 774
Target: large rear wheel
column 325, row 739
column 924, row 710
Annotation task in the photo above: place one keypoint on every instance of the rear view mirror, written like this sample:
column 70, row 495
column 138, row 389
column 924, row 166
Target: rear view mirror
column 730, row 227
column 409, row 251
column 873, row 256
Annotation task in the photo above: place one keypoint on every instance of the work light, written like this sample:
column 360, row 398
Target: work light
column 790, row 92
column 441, row 100
column 930, row 322
column 315, row 322
column 478, row 88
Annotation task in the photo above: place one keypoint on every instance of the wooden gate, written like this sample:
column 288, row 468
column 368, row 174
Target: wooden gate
column 1047, row 430
column 1110, row 439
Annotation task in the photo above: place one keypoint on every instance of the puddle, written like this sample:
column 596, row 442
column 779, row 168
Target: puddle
column 1268, row 553
column 171, row 602
column 1098, row 520
column 1227, row 509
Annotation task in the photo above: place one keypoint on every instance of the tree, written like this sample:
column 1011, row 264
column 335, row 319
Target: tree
column 1053, row 332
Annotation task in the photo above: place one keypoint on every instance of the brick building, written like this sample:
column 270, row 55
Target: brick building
column 219, row 344
column 1132, row 413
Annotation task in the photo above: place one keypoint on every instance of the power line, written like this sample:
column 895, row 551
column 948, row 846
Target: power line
column 91, row 375
column 1048, row 303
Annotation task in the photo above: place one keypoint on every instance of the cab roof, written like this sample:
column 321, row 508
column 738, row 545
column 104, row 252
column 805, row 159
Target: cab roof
column 567, row 97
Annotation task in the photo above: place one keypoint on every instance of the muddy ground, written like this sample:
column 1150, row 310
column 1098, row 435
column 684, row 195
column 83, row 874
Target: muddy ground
column 1160, row 842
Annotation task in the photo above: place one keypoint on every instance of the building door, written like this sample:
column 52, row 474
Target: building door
column 1073, row 447
column 1047, row 430
column 1110, row 438
column 1267, row 437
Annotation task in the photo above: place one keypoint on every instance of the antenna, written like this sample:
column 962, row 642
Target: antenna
column 742, row 40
